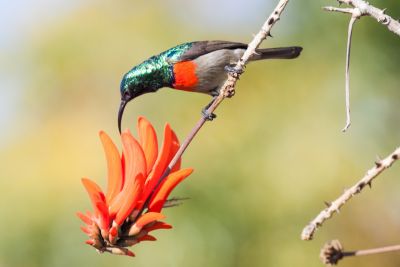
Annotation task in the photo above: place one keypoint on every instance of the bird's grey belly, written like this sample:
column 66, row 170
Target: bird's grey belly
column 210, row 69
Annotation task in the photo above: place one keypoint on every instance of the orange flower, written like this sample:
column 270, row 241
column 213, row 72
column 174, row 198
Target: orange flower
column 136, row 192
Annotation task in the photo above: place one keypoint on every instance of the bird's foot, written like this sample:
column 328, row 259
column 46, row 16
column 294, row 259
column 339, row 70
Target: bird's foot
column 230, row 92
column 207, row 115
column 233, row 71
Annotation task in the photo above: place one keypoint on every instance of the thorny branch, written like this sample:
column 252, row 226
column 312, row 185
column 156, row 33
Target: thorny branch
column 228, row 89
column 380, row 166
column 332, row 252
column 360, row 8
column 368, row 10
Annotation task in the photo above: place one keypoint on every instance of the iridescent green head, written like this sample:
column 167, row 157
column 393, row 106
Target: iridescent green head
column 147, row 77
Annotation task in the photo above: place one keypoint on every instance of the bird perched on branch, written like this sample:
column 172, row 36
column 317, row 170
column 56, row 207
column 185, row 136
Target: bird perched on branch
column 193, row 67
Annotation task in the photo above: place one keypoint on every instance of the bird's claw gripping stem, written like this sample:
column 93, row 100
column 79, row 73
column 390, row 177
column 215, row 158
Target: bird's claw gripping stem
column 206, row 114
column 233, row 71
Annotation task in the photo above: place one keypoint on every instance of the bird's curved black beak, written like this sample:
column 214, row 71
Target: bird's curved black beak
column 120, row 113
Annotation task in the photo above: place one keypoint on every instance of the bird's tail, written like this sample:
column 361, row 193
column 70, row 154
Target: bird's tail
column 278, row 53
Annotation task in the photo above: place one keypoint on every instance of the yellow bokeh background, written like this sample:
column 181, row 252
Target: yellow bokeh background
column 262, row 169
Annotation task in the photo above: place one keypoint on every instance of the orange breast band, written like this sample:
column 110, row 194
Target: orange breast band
column 185, row 76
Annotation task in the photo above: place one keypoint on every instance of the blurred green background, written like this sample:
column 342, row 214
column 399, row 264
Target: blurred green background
column 262, row 169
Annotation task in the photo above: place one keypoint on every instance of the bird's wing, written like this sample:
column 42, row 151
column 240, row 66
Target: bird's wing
column 204, row 47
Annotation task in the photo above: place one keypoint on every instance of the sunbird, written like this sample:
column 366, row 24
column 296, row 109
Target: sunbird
column 194, row 67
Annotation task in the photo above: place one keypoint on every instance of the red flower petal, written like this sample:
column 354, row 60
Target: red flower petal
column 85, row 230
column 129, row 199
column 157, row 202
column 147, row 238
column 120, row 251
column 95, row 194
column 158, row 225
column 143, row 220
column 114, row 166
column 104, row 216
column 161, row 163
column 148, row 141
column 135, row 163
column 148, row 218
column 86, row 219
column 174, row 148
column 90, row 242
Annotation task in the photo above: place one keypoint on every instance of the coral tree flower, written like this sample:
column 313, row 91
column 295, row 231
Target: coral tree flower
column 136, row 193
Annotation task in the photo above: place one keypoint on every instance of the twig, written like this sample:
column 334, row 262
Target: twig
column 368, row 10
column 360, row 8
column 228, row 89
column 327, row 213
column 332, row 252
column 354, row 17
column 355, row 14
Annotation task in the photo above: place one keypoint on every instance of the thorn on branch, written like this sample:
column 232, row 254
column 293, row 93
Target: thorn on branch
column 309, row 230
column 360, row 187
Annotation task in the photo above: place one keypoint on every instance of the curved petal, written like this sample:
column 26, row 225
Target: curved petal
column 129, row 199
column 86, row 219
column 135, row 161
column 104, row 216
column 85, row 230
column 157, row 202
column 148, row 141
column 161, row 163
column 134, row 164
column 174, row 148
column 148, row 218
column 95, row 194
column 143, row 220
column 158, row 225
column 114, row 166
column 147, row 238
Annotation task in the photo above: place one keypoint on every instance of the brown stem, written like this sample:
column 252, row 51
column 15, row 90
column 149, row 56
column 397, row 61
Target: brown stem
column 372, row 251
column 332, row 252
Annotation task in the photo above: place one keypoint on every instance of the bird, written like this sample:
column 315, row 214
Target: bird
column 199, row 66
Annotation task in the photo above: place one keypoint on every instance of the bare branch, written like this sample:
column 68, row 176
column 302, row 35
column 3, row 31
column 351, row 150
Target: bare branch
column 338, row 9
column 332, row 252
column 380, row 166
column 354, row 17
column 379, row 14
column 360, row 8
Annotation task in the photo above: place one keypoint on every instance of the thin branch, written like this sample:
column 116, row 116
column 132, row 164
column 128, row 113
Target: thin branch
column 228, row 89
column 379, row 14
column 380, row 166
column 353, row 19
column 360, row 8
column 332, row 252
column 338, row 9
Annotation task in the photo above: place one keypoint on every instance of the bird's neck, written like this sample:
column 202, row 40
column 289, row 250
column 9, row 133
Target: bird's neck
column 153, row 73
